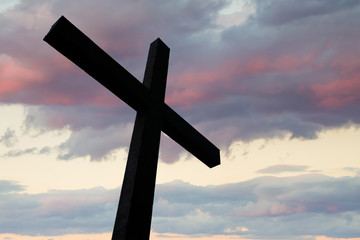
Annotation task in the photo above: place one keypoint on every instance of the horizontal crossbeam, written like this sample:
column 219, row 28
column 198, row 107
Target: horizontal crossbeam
column 81, row 50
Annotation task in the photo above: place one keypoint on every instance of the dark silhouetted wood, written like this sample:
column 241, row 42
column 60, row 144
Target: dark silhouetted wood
column 133, row 219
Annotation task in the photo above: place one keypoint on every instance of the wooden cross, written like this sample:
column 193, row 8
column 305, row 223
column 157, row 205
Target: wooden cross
column 133, row 218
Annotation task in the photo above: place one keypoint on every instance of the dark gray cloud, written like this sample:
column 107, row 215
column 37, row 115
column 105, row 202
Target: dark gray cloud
column 261, row 208
column 283, row 11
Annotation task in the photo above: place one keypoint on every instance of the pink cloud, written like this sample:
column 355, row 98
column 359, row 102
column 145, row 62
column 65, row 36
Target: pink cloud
column 14, row 76
column 286, row 63
column 185, row 98
column 55, row 82
column 267, row 208
column 68, row 204
column 263, row 64
column 232, row 75
column 332, row 208
column 338, row 93
column 344, row 90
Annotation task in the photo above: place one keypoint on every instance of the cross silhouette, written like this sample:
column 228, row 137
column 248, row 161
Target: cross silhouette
column 133, row 218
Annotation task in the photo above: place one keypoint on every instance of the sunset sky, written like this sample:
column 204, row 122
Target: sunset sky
column 274, row 84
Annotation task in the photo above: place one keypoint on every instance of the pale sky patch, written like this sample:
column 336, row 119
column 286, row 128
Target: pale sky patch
column 236, row 13
column 328, row 154
column 6, row 4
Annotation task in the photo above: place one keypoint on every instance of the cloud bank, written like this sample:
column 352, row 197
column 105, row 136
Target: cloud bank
column 261, row 208
column 289, row 66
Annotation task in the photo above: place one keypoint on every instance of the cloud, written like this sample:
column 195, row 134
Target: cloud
column 354, row 170
column 116, row 137
column 17, row 152
column 290, row 202
column 338, row 93
column 57, row 81
column 281, row 12
column 9, row 138
column 265, row 207
column 280, row 168
column 288, row 67
column 10, row 186
column 58, row 212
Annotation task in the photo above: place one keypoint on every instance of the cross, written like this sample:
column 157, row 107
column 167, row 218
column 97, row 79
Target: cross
column 133, row 218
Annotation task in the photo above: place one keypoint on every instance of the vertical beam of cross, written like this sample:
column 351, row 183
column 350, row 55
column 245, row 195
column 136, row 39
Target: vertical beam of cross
column 137, row 193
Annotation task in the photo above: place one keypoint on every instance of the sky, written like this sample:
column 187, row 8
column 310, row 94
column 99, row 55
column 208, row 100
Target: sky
column 273, row 84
